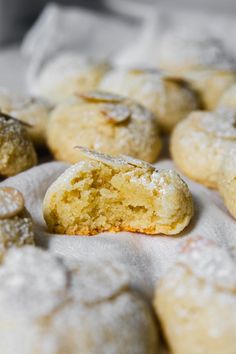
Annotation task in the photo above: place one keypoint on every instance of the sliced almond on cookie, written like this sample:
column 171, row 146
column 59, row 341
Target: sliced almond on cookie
column 137, row 163
column 116, row 113
column 121, row 160
column 11, row 202
column 143, row 71
column 101, row 96
column 98, row 156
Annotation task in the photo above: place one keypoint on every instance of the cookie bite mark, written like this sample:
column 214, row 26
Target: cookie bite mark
column 106, row 193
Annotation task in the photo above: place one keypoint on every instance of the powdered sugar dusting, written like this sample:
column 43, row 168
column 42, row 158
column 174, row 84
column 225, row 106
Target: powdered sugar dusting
column 191, row 49
column 11, row 202
column 31, row 275
column 221, row 123
column 211, row 263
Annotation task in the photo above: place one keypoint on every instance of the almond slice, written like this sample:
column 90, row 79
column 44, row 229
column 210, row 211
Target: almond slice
column 137, row 163
column 143, row 71
column 11, row 202
column 100, row 96
column 121, row 160
column 116, row 113
column 98, row 156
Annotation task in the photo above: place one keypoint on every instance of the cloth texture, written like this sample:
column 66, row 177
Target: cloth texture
column 146, row 258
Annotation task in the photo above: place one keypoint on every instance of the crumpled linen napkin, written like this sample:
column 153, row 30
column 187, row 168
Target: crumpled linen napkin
column 146, row 258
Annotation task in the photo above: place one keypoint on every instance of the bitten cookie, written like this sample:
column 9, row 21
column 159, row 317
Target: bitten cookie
column 227, row 180
column 49, row 305
column 106, row 193
column 103, row 122
column 184, row 51
column 16, row 226
column 196, row 300
column 199, row 142
column 169, row 99
column 28, row 110
column 16, row 149
column 210, row 85
column 67, row 74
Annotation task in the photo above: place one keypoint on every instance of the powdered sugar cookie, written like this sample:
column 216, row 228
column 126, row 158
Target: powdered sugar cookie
column 107, row 193
column 16, row 227
column 103, row 122
column 16, row 149
column 49, row 305
column 168, row 98
column 28, row 110
column 227, row 180
column 186, row 50
column 199, row 142
column 66, row 74
column 196, row 301
column 210, row 84
column 228, row 99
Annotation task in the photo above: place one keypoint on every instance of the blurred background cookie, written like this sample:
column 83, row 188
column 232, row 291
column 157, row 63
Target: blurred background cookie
column 29, row 110
column 168, row 98
column 103, row 122
column 227, row 180
column 54, row 305
column 199, row 143
column 17, row 152
column 67, row 74
column 16, row 226
column 210, row 85
column 117, row 194
column 184, row 50
column 196, row 301
column 228, row 99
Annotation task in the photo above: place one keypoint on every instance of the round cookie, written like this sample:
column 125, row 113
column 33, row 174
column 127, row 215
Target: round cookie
column 227, row 180
column 49, row 305
column 169, row 99
column 28, row 110
column 183, row 51
column 103, row 122
column 106, row 193
column 199, row 143
column 16, row 226
column 17, row 152
column 67, row 74
column 196, row 301
column 210, row 85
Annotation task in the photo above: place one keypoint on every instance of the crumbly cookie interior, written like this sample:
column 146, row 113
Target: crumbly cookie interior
column 109, row 198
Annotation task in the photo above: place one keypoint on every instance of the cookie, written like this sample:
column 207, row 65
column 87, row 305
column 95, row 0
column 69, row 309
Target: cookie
column 103, row 122
column 185, row 50
column 17, row 152
column 228, row 99
column 107, row 193
column 210, row 85
column 168, row 98
column 199, row 142
column 16, row 226
column 28, row 110
column 67, row 74
column 196, row 301
column 227, row 180
column 88, row 307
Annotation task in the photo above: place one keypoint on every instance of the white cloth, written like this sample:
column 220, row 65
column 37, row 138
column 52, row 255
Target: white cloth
column 146, row 258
